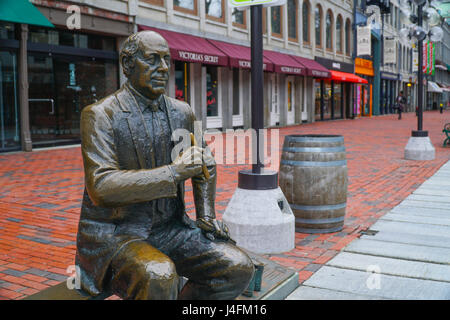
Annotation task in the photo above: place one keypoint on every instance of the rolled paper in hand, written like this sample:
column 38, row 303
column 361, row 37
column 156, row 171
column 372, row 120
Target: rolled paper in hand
column 204, row 168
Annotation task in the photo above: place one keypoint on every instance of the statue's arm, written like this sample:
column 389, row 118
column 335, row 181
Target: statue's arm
column 204, row 190
column 108, row 185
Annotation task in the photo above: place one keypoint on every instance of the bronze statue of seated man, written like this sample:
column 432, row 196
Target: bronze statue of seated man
column 134, row 237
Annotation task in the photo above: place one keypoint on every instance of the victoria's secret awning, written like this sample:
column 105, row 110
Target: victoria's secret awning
column 185, row 47
column 313, row 68
column 346, row 77
column 240, row 56
column 284, row 63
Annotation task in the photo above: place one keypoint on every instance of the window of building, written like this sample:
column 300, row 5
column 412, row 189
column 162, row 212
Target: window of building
column 339, row 32
column 215, row 10
column 212, row 105
column 71, row 39
column 187, row 6
column 239, row 18
column 318, row 25
column 182, row 81
column 236, row 92
column 276, row 16
column 329, row 31
column 305, row 22
column 292, row 19
column 7, row 31
column 348, row 32
column 155, row 2
column 9, row 104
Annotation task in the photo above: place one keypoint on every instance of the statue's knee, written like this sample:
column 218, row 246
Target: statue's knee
column 160, row 270
column 161, row 280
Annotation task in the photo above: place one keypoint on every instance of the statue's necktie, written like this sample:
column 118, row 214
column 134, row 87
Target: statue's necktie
column 159, row 138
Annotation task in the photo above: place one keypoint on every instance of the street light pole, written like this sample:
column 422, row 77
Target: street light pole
column 257, row 77
column 420, row 77
column 419, row 146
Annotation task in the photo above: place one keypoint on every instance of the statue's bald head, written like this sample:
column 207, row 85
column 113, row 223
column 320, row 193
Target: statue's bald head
column 140, row 42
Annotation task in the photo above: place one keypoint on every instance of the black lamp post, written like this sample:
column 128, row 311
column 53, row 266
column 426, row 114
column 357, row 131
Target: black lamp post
column 419, row 146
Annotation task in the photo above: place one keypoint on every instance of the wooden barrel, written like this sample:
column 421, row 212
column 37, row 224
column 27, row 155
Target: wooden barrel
column 314, row 179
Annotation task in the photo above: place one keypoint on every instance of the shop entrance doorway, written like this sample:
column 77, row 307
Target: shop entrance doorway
column 59, row 88
column 290, row 100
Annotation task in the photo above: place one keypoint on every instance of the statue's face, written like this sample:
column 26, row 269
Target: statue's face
column 151, row 66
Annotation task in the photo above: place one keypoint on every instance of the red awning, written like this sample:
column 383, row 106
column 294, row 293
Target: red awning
column 346, row 77
column 313, row 68
column 240, row 56
column 284, row 63
column 185, row 47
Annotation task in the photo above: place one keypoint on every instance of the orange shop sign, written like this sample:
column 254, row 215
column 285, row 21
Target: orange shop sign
column 364, row 66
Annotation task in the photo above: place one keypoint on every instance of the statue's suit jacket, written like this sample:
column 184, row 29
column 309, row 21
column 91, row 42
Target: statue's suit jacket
column 122, row 182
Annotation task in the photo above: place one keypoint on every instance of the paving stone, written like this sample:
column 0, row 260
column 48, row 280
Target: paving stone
column 412, row 228
column 430, row 212
column 311, row 293
column 417, row 219
column 400, row 251
column 410, row 238
column 390, row 287
column 393, row 267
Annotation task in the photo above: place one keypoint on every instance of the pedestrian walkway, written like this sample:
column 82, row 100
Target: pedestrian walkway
column 405, row 255
column 41, row 191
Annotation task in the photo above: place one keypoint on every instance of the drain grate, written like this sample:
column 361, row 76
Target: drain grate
column 369, row 232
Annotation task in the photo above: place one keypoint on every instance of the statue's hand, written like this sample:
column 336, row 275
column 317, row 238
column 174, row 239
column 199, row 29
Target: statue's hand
column 188, row 164
column 214, row 229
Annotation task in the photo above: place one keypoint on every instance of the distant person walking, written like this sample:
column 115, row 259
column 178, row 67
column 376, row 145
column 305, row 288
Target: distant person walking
column 400, row 104
column 441, row 108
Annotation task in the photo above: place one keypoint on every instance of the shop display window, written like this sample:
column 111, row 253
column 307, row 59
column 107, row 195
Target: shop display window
column 182, row 81
column 9, row 104
column 212, row 103
column 7, row 31
column 69, row 38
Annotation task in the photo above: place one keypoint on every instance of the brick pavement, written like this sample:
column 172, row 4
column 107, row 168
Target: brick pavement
column 40, row 198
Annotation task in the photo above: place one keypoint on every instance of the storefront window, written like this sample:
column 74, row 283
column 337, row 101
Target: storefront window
column 327, row 100
column 292, row 19
column 182, row 81
column 289, row 96
column 7, row 31
column 214, row 9
column 59, row 88
column 305, row 21
column 338, row 89
column 71, row 39
column 9, row 104
column 276, row 21
column 236, row 91
column 317, row 99
column 211, row 92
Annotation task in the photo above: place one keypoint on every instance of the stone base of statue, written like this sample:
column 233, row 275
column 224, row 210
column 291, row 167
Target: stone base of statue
column 419, row 147
column 260, row 221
